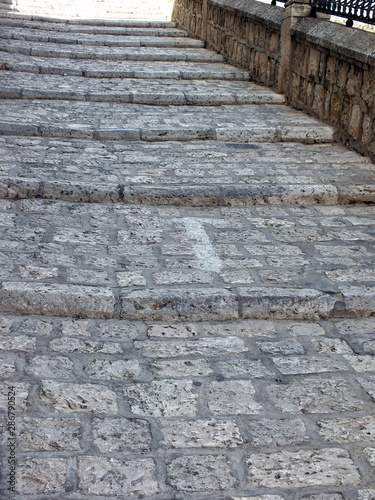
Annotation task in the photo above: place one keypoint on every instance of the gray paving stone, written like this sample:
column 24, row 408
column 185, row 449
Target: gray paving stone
column 233, row 398
column 277, row 433
column 121, row 434
column 348, row 430
column 44, row 476
column 109, row 476
column 102, row 369
column 330, row 466
column 49, row 434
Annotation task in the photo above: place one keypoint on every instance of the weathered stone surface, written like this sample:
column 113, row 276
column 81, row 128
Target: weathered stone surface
column 162, row 398
column 59, row 367
column 17, row 343
column 370, row 455
column 314, row 394
column 201, row 434
column 278, row 433
column 326, row 467
column 308, row 364
column 181, row 368
column 21, row 392
column 199, row 347
column 108, row 476
column 348, row 430
column 69, row 345
column 285, row 347
column 368, row 383
column 242, row 368
column 48, row 434
column 192, row 304
column 68, row 398
column 44, row 476
column 172, row 331
column 366, row 494
column 246, row 328
column 233, row 398
column 61, row 300
column 121, row 434
column 102, row 369
column 200, row 473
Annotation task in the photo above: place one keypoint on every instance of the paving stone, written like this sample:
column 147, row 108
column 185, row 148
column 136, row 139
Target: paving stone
column 285, row 347
column 102, row 369
column 181, row 368
column 43, row 476
column 233, row 398
column 197, row 347
column 328, row 467
column 7, row 368
column 314, row 394
column 241, row 368
column 308, row 364
column 121, row 434
column 277, row 433
column 200, row 473
column 201, row 434
column 17, row 343
column 48, row 434
column 69, row 345
column 67, row 398
column 172, row 331
column 108, row 476
column 162, row 398
column 60, row 367
column 348, row 430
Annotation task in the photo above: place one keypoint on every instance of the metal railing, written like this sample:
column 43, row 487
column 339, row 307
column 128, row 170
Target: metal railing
column 352, row 10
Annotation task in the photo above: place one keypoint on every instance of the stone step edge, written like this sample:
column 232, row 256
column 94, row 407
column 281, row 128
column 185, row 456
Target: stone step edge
column 189, row 304
column 159, row 98
column 196, row 196
column 126, row 23
column 135, row 74
column 318, row 135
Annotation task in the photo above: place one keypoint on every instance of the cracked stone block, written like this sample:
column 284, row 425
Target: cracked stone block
column 50, row 367
column 200, row 434
column 326, row 467
column 206, row 347
column 241, row 367
column 285, row 347
column 274, row 433
column 56, row 299
column 21, row 391
column 70, row 345
column 17, row 343
column 234, row 397
column 121, row 434
column 181, row 368
column 370, row 455
column 244, row 328
column 162, row 398
column 348, row 430
column 48, row 434
column 200, row 473
column 308, row 364
column 172, row 331
column 368, row 383
column 41, row 476
column 314, row 394
column 67, row 398
column 108, row 476
column 102, row 369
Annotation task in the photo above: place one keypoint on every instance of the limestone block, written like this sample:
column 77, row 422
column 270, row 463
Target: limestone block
column 17, row 343
column 285, row 347
column 278, row 432
column 181, row 368
column 200, row 434
column 308, row 364
column 41, row 476
column 326, row 467
column 200, row 473
column 121, row 434
column 70, row 345
column 50, row 367
column 21, row 392
column 48, row 434
column 111, row 477
column 103, row 369
column 348, row 430
column 68, row 398
column 234, row 397
column 176, row 330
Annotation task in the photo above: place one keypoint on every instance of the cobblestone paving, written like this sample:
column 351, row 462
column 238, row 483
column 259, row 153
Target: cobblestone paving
column 179, row 320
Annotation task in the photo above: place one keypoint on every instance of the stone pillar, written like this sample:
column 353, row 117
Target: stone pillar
column 204, row 21
column 293, row 12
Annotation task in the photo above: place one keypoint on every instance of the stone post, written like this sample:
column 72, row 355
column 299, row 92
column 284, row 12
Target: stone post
column 204, row 21
column 293, row 12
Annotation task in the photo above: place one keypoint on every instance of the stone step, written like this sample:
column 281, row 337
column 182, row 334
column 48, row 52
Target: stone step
column 204, row 174
column 169, row 264
column 113, row 121
column 97, row 39
column 140, row 29
column 139, row 91
column 135, row 53
column 121, row 69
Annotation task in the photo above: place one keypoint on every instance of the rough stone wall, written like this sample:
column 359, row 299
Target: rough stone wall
column 333, row 77
column 332, row 67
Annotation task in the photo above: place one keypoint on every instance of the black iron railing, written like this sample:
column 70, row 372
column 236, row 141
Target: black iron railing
column 352, row 10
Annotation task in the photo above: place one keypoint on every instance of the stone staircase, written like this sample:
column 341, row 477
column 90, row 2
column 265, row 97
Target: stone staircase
column 186, row 273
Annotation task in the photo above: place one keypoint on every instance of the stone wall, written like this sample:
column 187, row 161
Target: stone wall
column 331, row 68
